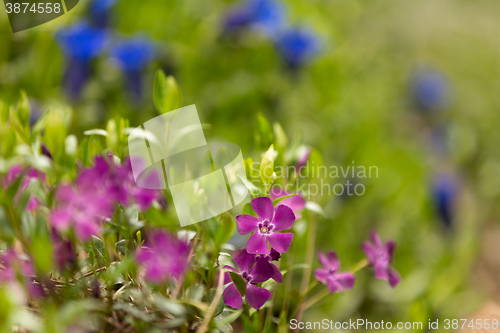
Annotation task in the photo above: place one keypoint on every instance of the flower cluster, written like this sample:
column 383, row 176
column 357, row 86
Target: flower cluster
column 296, row 45
column 15, row 269
column 163, row 257
column 254, row 262
column 92, row 197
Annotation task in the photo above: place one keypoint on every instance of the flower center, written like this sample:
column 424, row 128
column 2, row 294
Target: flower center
column 265, row 227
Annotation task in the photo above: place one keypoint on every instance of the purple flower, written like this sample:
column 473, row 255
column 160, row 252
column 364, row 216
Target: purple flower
column 64, row 254
column 267, row 16
column 14, row 268
column 297, row 46
column 163, row 257
column 253, row 271
column 273, row 256
column 82, row 209
column 117, row 182
column 330, row 275
column 266, row 226
column 380, row 257
column 297, row 203
column 28, row 175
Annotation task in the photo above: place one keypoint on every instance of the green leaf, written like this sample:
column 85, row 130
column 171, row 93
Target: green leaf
column 254, row 190
column 23, row 110
column 248, row 210
column 112, row 138
column 98, row 245
column 167, row 95
column 225, row 229
column 280, row 136
column 121, row 246
column 315, row 208
column 280, row 199
column 232, row 316
column 239, row 282
column 263, row 132
column 267, row 166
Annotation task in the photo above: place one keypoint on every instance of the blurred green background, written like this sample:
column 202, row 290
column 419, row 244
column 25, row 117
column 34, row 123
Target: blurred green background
column 353, row 102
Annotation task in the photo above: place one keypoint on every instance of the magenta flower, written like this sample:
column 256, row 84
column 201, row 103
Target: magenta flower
column 82, row 209
column 381, row 257
column 266, row 226
column 14, row 269
column 253, row 271
column 330, row 276
column 163, row 257
column 28, row 174
column 303, row 158
column 297, row 203
column 117, row 182
column 274, row 256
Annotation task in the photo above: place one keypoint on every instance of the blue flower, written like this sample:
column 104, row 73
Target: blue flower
column 80, row 43
column 99, row 12
column 430, row 90
column 444, row 192
column 267, row 16
column 298, row 45
column 132, row 56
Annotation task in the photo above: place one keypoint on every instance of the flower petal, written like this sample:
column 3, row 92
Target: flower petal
column 370, row 251
column 60, row 219
column 333, row 260
column 394, row 277
column 377, row 241
column 262, row 271
column 280, row 241
column 320, row 274
column 263, row 206
column 380, row 270
column 334, row 286
column 243, row 260
column 256, row 296
column 257, row 244
column 232, row 297
column 391, row 248
column 346, row 280
column 283, row 219
column 277, row 276
column 247, row 223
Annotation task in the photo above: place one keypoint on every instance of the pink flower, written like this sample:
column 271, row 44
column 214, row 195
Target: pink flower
column 80, row 209
column 163, row 257
column 266, row 227
column 28, row 174
column 297, row 203
column 117, row 182
column 330, row 276
column 381, row 256
column 15, row 269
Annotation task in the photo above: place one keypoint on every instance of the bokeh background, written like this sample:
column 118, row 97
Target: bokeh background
column 408, row 86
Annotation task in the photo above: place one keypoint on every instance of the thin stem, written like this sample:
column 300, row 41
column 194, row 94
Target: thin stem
column 211, row 310
column 307, row 271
